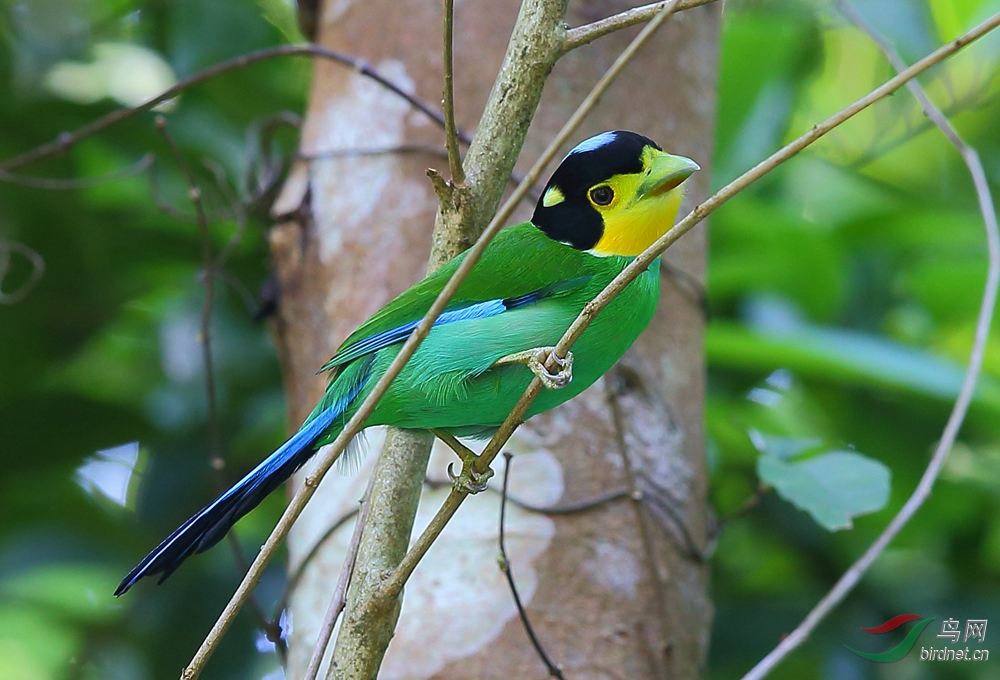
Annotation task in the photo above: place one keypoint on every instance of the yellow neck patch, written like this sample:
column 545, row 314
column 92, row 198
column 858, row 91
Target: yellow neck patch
column 631, row 225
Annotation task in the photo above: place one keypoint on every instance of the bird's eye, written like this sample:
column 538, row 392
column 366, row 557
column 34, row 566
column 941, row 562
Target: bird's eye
column 602, row 195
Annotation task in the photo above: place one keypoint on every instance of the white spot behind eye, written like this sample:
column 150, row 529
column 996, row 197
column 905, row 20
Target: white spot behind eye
column 595, row 142
column 554, row 196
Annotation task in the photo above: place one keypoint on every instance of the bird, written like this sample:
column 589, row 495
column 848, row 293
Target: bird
column 609, row 199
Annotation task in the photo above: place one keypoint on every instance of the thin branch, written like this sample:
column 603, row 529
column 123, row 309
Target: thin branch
column 580, row 36
column 262, row 172
column 395, row 583
column 574, row 121
column 920, row 494
column 67, row 140
column 217, row 460
column 339, row 598
column 56, row 184
column 614, row 386
column 571, row 508
column 450, row 130
column 659, row 503
column 208, row 272
column 375, row 151
column 296, row 576
column 7, row 248
column 236, row 208
column 504, row 561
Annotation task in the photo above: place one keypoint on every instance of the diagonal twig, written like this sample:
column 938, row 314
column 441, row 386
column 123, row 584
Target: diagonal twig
column 8, row 248
column 850, row 578
column 504, row 561
column 67, row 140
column 217, row 460
column 395, row 583
column 580, row 36
column 339, row 598
column 60, row 184
column 450, row 129
column 356, row 422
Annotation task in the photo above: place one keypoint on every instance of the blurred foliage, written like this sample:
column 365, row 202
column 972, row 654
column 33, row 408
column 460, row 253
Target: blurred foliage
column 844, row 289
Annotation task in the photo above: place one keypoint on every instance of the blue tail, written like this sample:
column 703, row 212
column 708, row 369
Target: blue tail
column 210, row 524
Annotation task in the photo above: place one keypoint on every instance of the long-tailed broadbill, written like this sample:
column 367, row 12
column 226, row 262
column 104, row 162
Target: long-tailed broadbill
column 610, row 198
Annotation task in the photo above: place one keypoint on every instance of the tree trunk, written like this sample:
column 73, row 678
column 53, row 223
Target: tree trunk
column 612, row 591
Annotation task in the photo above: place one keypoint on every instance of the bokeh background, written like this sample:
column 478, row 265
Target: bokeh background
column 843, row 291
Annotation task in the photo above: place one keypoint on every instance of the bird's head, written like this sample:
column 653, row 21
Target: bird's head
column 614, row 194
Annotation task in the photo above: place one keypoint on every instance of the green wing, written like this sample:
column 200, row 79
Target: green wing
column 520, row 266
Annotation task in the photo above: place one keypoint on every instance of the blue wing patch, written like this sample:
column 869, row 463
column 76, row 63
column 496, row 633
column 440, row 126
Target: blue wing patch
column 477, row 310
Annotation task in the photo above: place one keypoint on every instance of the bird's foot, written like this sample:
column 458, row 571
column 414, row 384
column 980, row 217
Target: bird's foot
column 535, row 359
column 469, row 480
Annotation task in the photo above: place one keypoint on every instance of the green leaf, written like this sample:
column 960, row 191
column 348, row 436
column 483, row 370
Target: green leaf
column 282, row 15
column 833, row 487
column 785, row 448
column 845, row 357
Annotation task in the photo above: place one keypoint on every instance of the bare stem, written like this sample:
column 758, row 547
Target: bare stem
column 554, row 670
column 574, row 121
column 395, row 583
column 8, row 248
column 450, row 130
column 67, row 140
column 339, row 598
column 59, row 184
column 577, row 37
column 920, row 494
column 208, row 272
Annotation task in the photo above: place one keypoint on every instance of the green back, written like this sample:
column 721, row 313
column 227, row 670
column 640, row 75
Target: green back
column 520, row 260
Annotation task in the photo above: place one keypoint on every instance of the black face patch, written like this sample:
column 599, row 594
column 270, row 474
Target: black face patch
column 574, row 220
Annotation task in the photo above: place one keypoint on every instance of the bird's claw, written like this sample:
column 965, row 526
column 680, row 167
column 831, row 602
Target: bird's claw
column 535, row 359
column 552, row 381
column 468, row 480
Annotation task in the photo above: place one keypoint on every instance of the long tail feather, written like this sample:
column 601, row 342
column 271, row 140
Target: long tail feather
column 211, row 523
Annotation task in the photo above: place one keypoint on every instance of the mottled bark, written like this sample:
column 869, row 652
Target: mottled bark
column 364, row 235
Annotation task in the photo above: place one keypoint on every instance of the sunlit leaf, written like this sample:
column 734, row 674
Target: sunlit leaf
column 833, row 487
column 128, row 73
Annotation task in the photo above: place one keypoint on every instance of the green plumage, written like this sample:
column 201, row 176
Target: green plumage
column 449, row 383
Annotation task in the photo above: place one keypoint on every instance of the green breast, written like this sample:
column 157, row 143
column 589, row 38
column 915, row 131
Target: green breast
column 612, row 331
